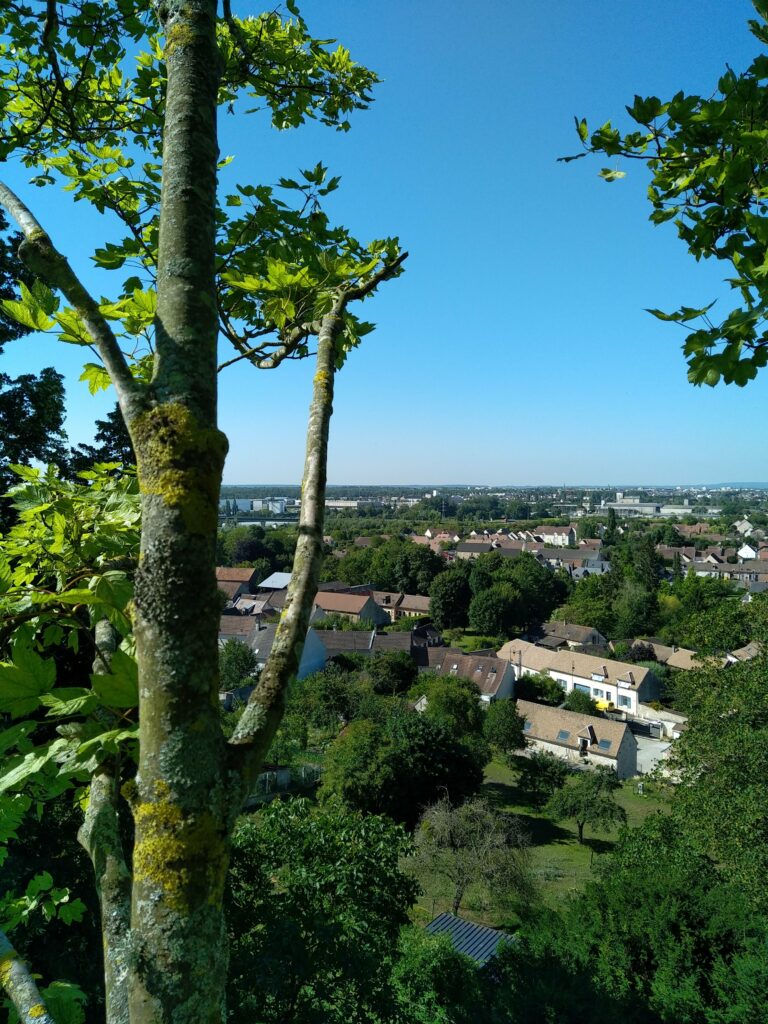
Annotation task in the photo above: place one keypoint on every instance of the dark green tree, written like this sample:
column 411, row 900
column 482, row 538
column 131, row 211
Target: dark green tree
column 315, row 901
column 112, row 443
column 449, row 597
column 31, row 405
column 542, row 775
column 504, row 726
column 588, row 799
column 473, row 846
column 580, row 702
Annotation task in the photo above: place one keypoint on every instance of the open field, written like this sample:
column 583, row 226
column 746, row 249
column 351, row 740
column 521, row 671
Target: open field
column 561, row 865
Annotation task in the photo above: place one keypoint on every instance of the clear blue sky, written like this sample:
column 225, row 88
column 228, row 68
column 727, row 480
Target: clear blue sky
column 516, row 348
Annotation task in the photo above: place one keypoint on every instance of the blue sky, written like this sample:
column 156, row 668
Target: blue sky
column 516, row 348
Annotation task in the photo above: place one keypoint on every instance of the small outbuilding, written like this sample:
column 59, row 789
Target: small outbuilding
column 476, row 941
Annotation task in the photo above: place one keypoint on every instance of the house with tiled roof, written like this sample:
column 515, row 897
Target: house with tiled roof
column 355, row 607
column 580, row 739
column 623, row 684
column 571, row 635
column 493, row 677
column 234, row 582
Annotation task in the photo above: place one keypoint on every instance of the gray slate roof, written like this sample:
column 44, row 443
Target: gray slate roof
column 473, row 940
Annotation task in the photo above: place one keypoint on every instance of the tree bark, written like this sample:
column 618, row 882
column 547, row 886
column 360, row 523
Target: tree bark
column 264, row 710
column 99, row 835
column 179, row 954
column 17, row 981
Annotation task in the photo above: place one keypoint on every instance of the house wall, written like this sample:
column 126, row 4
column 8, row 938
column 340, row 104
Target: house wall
column 568, row 754
column 314, row 655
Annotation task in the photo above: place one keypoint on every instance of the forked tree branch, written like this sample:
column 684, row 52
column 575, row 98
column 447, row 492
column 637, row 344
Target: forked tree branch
column 46, row 262
column 20, row 986
column 264, row 710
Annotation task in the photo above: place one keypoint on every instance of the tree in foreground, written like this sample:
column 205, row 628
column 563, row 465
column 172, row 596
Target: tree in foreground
column 473, row 846
column 709, row 172
column 119, row 102
column 315, row 903
column 661, row 934
column 589, row 800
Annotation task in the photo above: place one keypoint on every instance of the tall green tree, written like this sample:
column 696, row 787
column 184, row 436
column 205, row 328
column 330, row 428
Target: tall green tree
column 315, row 902
column 112, row 443
column 31, row 405
column 119, row 102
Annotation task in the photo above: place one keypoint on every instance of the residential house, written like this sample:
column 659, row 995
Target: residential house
column 681, row 658
column 355, row 607
column 413, row 605
column 621, row 683
column 580, row 739
column 557, row 536
column 744, row 527
column 388, row 601
column 276, row 581
column 747, row 653
column 747, row 551
column 234, row 582
column 572, row 636
column 493, row 677
column 473, row 548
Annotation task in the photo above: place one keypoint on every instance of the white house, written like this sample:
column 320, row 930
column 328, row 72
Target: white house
column 619, row 682
column 580, row 739
column 557, row 536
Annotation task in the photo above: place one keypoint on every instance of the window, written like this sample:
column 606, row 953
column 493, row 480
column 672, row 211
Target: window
column 563, row 735
column 604, row 744
column 527, row 727
column 597, row 693
column 625, row 702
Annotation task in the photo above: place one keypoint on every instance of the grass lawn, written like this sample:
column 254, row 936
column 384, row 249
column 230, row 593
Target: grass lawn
column 562, row 865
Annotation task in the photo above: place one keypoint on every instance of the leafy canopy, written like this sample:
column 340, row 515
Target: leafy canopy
column 709, row 175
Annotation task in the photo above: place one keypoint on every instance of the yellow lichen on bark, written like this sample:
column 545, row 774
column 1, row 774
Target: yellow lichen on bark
column 171, row 847
column 38, row 1010
column 180, row 462
column 6, row 965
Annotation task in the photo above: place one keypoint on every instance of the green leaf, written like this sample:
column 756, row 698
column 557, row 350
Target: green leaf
column 97, row 377
column 69, row 700
column 612, row 175
column 119, row 689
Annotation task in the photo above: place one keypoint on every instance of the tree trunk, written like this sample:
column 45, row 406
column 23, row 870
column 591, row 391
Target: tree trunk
column 580, row 827
column 179, row 964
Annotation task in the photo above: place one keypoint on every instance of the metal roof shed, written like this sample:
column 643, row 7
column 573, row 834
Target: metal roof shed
column 473, row 940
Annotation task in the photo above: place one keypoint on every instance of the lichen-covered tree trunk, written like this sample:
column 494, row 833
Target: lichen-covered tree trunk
column 179, row 959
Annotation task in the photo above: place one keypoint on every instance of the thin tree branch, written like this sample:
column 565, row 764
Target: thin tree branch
column 99, row 836
column 262, row 714
column 18, row 982
column 43, row 259
column 382, row 274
